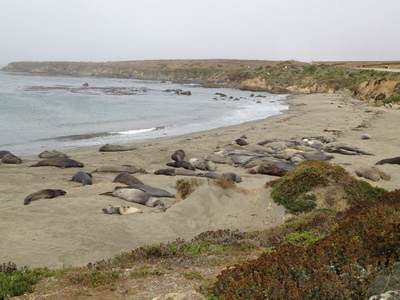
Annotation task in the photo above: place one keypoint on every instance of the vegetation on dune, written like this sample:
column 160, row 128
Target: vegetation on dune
column 295, row 191
column 364, row 242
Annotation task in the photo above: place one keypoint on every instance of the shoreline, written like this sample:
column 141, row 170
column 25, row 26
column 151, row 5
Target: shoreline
column 72, row 230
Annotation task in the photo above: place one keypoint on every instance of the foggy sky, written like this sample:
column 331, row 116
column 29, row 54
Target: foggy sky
column 115, row 30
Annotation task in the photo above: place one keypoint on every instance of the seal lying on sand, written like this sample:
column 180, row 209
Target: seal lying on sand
column 137, row 196
column 393, row 161
column 345, row 149
column 4, row 152
column 115, row 148
column 82, row 177
column 127, row 178
column 52, row 154
column 122, row 210
column 178, row 155
column 181, row 164
column 47, row 193
column 229, row 175
column 153, row 191
column 176, row 171
column 202, row 164
column 275, row 168
column 59, row 162
column 10, row 158
column 120, row 168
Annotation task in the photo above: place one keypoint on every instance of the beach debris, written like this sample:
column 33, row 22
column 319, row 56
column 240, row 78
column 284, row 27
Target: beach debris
column 116, row 148
column 59, row 163
column 53, row 154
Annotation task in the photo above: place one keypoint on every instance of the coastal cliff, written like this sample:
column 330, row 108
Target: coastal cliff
column 279, row 77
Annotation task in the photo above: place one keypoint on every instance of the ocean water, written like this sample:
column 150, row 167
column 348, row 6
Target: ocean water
column 40, row 113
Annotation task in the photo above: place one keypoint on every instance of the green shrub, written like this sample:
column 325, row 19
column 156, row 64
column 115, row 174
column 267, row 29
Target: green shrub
column 339, row 266
column 20, row 282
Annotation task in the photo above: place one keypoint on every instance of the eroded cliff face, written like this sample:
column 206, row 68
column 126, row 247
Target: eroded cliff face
column 380, row 92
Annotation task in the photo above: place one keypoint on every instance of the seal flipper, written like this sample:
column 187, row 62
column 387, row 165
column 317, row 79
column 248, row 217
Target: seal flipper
column 107, row 194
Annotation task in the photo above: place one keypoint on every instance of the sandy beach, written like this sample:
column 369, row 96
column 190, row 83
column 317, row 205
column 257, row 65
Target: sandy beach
column 72, row 230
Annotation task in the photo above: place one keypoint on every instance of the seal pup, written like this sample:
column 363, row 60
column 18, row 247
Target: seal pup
column 10, row 158
column 122, row 210
column 136, row 196
column 47, row 193
column 59, row 162
column 82, row 177
column 127, row 178
column 393, row 161
column 181, row 164
column 178, row 155
column 153, row 191
column 120, row 168
column 115, row 148
column 52, row 154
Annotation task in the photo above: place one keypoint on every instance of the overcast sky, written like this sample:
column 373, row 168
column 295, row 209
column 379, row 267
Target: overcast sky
column 115, row 30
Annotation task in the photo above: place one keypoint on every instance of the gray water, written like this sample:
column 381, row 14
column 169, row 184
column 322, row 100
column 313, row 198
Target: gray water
column 40, row 113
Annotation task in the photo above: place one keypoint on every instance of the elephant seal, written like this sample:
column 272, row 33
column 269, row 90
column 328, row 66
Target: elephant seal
column 59, row 162
column 181, row 164
column 153, row 191
column 393, row 161
column 120, row 168
column 178, row 155
column 275, row 168
column 47, row 193
column 52, row 154
column 137, row 196
column 82, row 177
column 368, row 173
column 4, row 152
column 176, row 171
column 115, row 148
column 127, row 178
column 229, row 175
column 10, row 158
column 218, row 159
column 122, row 210
column 201, row 164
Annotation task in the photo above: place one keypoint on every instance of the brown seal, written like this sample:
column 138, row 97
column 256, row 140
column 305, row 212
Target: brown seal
column 393, row 161
column 10, row 158
column 127, row 178
column 115, row 148
column 59, row 162
column 47, row 193
column 120, row 168
column 52, row 154
column 176, row 171
column 178, row 155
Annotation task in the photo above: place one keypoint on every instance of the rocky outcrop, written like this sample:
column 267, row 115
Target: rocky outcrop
column 380, row 92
